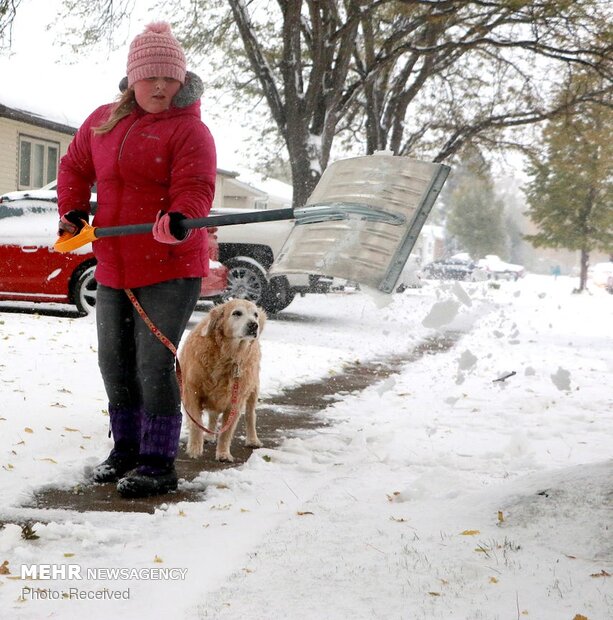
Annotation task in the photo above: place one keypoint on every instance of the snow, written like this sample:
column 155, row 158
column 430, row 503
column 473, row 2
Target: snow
column 436, row 493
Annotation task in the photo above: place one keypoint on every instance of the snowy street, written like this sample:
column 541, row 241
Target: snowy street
column 443, row 491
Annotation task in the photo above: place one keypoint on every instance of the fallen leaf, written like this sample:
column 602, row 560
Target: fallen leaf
column 266, row 458
column 393, row 496
column 493, row 580
column 28, row 532
column 602, row 573
column 398, row 519
column 158, row 560
column 58, row 405
column 434, row 593
column 500, row 516
column 69, row 555
column 49, row 460
column 470, row 533
column 306, row 512
column 27, row 429
column 182, row 513
column 580, row 617
column 71, row 430
column 4, row 568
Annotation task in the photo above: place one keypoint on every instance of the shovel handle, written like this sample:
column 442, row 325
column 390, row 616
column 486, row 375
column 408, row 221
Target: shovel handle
column 211, row 221
column 68, row 243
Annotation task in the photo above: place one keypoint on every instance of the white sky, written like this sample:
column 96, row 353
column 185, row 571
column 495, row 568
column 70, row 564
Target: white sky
column 42, row 77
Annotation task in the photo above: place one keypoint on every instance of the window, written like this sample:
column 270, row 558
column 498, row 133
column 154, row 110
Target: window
column 38, row 160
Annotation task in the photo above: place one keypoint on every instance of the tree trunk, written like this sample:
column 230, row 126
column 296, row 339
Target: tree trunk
column 304, row 165
column 585, row 262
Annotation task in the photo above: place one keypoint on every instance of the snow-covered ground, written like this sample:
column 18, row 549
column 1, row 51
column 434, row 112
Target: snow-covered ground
column 437, row 493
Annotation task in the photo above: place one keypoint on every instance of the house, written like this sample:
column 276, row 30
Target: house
column 31, row 147
column 232, row 193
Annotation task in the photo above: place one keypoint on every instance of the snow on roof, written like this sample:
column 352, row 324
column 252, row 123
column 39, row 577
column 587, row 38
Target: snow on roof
column 273, row 187
column 37, row 109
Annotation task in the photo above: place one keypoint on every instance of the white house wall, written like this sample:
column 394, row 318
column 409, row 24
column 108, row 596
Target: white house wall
column 9, row 155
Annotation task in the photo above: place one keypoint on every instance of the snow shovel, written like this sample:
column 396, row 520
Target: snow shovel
column 359, row 224
column 362, row 220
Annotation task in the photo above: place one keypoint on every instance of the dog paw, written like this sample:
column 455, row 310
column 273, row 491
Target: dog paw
column 194, row 451
column 253, row 443
column 225, row 457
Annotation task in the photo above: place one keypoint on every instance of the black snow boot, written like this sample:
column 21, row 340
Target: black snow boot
column 145, row 481
column 116, row 465
column 126, row 429
column 156, row 472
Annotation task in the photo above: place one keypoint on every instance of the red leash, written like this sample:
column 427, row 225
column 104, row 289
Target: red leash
column 171, row 347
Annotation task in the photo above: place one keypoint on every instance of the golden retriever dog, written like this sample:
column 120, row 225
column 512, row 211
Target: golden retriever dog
column 223, row 344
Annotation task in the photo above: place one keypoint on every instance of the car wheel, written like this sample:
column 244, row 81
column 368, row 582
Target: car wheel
column 84, row 291
column 247, row 280
column 278, row 295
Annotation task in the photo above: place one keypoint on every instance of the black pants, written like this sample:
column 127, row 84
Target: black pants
column 137, row 369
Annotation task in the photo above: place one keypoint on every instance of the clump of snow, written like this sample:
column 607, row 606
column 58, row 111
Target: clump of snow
column 561, row 379
column 441, row 314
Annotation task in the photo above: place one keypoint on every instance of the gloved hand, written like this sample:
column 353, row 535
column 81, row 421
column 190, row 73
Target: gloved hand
column 167, row 228
column 72, row 222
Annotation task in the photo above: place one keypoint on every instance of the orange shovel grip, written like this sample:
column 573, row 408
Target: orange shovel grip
column 68, row 242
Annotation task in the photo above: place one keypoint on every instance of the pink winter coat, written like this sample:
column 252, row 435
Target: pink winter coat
column 147, row 162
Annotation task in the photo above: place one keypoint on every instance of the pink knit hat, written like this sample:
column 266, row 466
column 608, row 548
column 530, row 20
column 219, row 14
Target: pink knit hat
column 156, row 53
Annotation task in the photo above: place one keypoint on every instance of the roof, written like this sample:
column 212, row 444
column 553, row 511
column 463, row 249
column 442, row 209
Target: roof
column 35, row 119
column 245, row 188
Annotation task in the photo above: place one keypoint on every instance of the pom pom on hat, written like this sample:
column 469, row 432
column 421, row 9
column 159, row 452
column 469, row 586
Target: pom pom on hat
column 156, row 53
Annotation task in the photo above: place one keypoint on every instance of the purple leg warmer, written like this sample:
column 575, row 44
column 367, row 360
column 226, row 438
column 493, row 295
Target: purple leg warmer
column 126, row 429
column 159, row 442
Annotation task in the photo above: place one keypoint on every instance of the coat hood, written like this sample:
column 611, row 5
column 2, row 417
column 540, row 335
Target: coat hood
column 188, row 94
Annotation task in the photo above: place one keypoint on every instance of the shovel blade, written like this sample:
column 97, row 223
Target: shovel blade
column 362, row 220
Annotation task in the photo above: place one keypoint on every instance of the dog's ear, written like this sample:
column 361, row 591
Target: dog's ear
column 262, row 316
column 215, row 319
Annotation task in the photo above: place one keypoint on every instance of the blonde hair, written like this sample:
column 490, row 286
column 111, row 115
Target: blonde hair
column 124, row 106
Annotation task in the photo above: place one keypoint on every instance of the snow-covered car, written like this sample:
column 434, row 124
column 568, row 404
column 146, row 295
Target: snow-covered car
column 449, row 269
column 495, row 268
column 30, row 269
column 47, row 192
column 601, row 274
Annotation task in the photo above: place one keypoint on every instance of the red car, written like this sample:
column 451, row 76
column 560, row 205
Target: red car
column 30, row 270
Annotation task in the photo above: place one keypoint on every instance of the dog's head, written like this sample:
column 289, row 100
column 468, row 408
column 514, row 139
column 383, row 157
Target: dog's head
column 237, row 319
